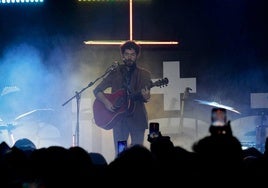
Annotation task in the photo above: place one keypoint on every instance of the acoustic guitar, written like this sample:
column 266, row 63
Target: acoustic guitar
column 124, row 105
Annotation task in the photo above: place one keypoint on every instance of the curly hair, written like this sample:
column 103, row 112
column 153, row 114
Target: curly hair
column 130, row 45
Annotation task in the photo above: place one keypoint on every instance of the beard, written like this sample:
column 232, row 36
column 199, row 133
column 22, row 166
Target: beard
column 129, row 63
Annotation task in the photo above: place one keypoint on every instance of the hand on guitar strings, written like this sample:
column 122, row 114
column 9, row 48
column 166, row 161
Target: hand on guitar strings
column 109, row 106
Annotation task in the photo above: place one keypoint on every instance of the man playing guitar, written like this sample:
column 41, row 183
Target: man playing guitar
column 134, row 83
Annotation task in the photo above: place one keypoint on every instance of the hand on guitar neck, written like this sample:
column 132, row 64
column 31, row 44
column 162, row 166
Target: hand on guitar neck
column 146, row 94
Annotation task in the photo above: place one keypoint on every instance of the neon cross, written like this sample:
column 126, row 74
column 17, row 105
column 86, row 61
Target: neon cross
column 130, row 34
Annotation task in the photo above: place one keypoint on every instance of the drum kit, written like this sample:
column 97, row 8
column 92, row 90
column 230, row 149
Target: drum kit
column 25, row 124
column 8, row 128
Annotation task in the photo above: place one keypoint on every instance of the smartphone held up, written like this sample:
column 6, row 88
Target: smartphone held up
column 154, row 130
column 121, row 146
column 218, row 116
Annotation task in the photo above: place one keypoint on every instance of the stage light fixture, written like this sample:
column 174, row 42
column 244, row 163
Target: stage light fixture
column 20, row 1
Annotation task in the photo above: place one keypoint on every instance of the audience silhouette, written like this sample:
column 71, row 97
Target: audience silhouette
column 218, row 156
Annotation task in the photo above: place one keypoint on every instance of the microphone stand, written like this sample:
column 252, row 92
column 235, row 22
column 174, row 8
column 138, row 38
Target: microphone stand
column 77, row 96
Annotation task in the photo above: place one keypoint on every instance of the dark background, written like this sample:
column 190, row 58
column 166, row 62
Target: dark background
column 222, row 43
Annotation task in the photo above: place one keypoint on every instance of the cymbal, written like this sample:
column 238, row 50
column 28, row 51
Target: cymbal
column 215, row 104
column 30, row 112
column 9, row 89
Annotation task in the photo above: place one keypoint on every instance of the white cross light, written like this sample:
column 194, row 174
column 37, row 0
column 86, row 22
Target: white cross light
column 176, row 85
column 259, row 100
column 131, row 35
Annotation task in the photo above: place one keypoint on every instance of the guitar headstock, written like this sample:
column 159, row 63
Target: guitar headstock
column 161, row 83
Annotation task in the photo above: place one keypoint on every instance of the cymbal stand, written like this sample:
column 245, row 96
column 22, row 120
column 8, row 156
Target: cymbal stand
column 8, row 128
column 261, row 133
column 184, row 97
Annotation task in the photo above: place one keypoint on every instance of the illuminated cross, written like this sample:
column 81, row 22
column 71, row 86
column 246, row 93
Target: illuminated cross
column 130, row 34
column 176, row 85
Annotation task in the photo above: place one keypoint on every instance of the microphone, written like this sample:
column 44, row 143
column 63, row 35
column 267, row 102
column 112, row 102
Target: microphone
column 114, row 66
